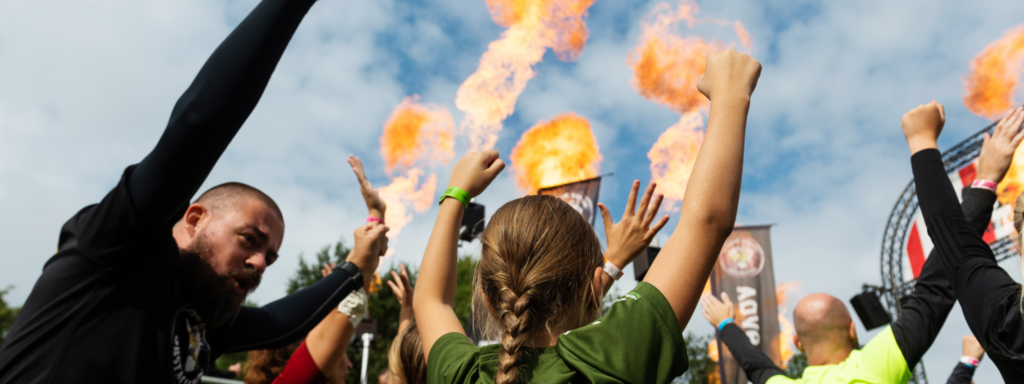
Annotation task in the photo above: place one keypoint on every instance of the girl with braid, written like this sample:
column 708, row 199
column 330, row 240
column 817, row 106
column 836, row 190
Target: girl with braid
column 538, row 287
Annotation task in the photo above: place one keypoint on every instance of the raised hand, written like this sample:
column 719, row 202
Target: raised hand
column 628, row 238
column 474, row 172
column 374, row 204
column 727, row 74
column 922, row 126
column 327, row 269
column 997, row 150
column 403, row 290
column 370, row 245
column 973, row 348
column 717, row 310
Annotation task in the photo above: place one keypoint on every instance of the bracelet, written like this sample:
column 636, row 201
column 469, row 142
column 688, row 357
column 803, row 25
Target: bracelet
column 612, row 270
column 370, row 219
column 984, row 184
column 724, row 323
column 456, row 193
column 972, row 362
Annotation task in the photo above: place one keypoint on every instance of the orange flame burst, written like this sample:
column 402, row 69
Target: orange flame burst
column 666, row 67
column 994, row 75
column 489, row 95
column 673, row 155
column 557, row 151
column 414, row 136
column 786, row 329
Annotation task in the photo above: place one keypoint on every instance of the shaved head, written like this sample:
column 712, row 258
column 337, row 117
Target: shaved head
column 231, row 195
column 821, row 319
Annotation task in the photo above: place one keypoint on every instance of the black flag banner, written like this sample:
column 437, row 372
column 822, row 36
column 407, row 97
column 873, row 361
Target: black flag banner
column 744, row 271
column 581, row 195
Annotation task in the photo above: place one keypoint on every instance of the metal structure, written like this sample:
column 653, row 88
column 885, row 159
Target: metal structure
column 900, row 221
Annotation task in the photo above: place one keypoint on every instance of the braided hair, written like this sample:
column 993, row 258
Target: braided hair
column 535, row 275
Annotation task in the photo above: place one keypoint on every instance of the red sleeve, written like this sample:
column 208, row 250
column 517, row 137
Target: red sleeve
column 301, row 369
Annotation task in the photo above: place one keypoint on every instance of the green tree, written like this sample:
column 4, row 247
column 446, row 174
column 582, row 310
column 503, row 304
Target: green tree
column 701, row 365
column 307, row 274
column 7, row 314
column 797, row 363
column 384, row 307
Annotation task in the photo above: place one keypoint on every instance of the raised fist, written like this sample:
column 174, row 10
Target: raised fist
column 923, row 124
column 728, row 73
column 370, row 245
column 474, row 172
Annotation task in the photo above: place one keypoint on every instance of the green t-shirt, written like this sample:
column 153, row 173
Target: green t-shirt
column 881, row 361
column 639, row 341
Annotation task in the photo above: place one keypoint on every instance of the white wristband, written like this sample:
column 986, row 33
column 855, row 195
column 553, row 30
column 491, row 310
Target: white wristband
column 612, row 270
column 354, row 306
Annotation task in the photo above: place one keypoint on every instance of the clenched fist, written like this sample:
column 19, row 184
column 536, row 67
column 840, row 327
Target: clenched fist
column 922, row 126
column 729, row 73
column 474, row 172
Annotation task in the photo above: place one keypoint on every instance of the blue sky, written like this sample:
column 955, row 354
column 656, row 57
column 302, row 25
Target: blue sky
column 86, row 88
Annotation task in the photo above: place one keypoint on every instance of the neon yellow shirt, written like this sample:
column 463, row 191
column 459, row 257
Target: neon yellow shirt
column 881, row 361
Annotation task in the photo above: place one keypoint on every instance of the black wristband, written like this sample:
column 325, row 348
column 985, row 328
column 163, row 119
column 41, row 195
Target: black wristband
column 352, row 269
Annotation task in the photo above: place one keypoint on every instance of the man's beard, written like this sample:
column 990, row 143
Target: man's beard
column 210, row 294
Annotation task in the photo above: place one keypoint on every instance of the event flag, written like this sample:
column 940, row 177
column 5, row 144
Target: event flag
column 581, row 195
column 744, row 271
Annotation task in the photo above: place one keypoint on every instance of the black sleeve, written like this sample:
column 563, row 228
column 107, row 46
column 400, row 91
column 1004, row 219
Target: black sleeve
column 212, row 110
column 988, row 296
column 758, row 367
column 925, row 311
column 962, row 374
column 286, row 320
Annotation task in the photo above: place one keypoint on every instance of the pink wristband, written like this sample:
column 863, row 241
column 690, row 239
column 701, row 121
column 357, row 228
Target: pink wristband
column 371, row 218
column 984, row 184
column 970, row 361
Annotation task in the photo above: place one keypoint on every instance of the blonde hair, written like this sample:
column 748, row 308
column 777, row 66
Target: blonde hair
column 535, row 275
column 406, row 364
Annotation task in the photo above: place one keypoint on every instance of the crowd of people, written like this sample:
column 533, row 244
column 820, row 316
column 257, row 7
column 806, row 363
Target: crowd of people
column 147, row 286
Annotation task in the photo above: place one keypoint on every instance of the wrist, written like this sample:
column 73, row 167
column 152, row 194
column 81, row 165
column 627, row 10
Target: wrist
column 377, row 213
column 457, row 194
column 985, row 182
column 724, row 322
column 970, row 360
column 918, row 144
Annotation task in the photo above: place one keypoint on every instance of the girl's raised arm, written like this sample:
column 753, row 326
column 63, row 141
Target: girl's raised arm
column 713, row 191
column 434, row 301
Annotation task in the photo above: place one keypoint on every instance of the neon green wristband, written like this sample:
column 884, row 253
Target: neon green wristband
column 456, row 193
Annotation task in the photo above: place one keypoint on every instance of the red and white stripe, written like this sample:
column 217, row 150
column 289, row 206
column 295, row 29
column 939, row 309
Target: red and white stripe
column 919, row 245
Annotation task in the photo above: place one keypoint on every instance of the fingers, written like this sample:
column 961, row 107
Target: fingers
column 646, row 200
column 725, row 299
column 606, row 216
column 404, row 271
column 657, row 228
column 631, row 203
column 397, row 280
column 653, row 211
column 395, row 289
column 496, row 167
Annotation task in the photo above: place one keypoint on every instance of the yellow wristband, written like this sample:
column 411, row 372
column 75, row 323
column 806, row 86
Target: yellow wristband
column 456, row 193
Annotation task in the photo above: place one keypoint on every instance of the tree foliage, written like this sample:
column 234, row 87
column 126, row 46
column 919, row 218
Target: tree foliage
column 701, row 365
column 797, row 363
column 7, row 314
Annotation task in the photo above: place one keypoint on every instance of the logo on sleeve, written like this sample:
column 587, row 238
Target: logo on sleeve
column 191, row 352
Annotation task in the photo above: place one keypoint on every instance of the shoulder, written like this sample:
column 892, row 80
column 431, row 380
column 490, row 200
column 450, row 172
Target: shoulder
column 882, row 358
column 453, row 359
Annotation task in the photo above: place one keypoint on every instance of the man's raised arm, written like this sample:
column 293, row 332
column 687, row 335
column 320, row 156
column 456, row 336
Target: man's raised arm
column 211, row 111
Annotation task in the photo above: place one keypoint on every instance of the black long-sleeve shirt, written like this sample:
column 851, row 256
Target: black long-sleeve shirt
column 924, row 311
column 109, row 305
column 990, row 299
column 962, row 374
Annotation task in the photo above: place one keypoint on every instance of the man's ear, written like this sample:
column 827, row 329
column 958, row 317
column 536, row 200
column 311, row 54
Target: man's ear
column 852, row 332
column 194, row 216
column 598, row 291
column 796, row 342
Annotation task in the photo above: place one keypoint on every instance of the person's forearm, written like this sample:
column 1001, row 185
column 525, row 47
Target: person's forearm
column 213, row 109
column 288, row 319
column 328, row 341
column 708, row 211
column 962, row 374
column 405, row 316
column 436, row 277
column 758, row 367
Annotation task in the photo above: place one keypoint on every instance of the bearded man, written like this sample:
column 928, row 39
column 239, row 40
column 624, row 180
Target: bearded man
column 147, row 288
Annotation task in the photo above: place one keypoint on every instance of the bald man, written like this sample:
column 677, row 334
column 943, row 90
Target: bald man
column 825, row 331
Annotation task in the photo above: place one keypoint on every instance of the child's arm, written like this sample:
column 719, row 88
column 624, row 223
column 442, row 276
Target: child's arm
column 713, row 191
column 435, row 297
